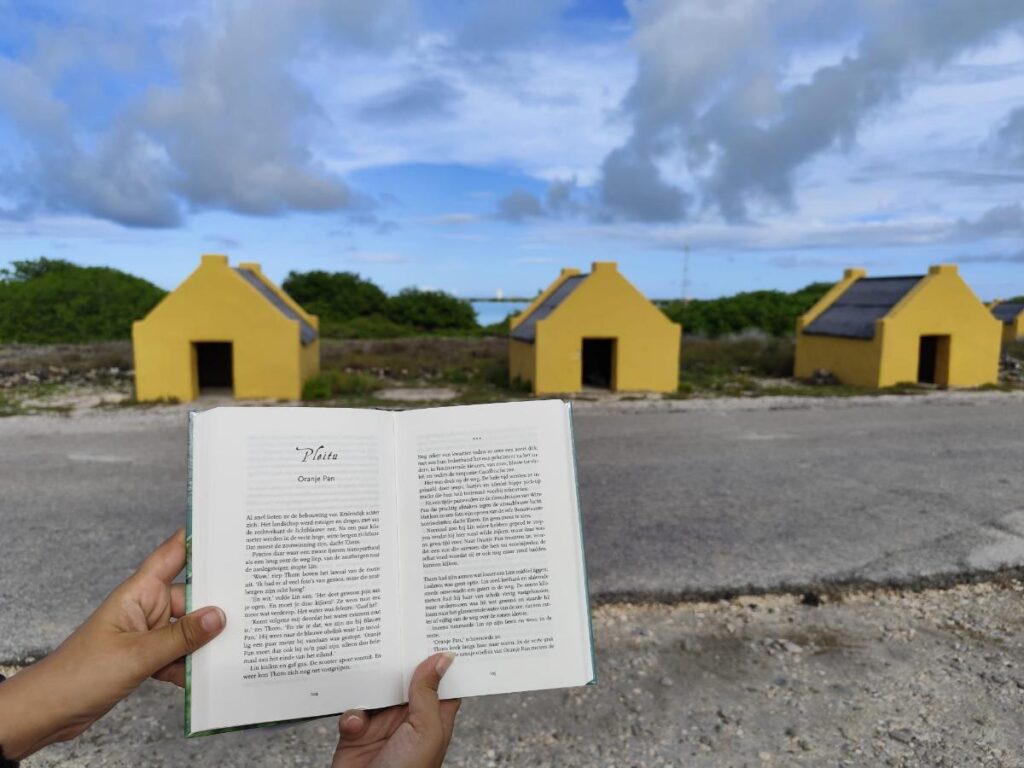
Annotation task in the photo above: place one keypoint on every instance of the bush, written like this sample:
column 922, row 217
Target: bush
column 752, row 353
column 331, row 384
column 774, row 312
column 731, row 366
column 431, row 311
column 500, row 328
column 49, row 300
column 335, row 296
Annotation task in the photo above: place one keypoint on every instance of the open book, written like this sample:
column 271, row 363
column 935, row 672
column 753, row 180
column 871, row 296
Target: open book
column 346, row 546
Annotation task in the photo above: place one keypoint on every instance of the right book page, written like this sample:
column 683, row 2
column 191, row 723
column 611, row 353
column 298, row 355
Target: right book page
column 490, row 547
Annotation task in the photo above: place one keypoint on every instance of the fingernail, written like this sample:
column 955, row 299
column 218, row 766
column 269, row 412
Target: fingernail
column 443, row 663
column 352, row 723
column 213, row 620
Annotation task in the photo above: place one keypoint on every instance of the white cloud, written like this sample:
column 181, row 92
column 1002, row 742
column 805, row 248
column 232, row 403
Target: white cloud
column 514, row 108
column 230, row 132
column 712, row 96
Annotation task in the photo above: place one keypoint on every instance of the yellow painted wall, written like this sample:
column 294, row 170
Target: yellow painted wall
column 852, row 361
column 604, row 305
column 940, row 305
column 215, row 303
column 1013, row 330
column 309, row 354
column 520, row 361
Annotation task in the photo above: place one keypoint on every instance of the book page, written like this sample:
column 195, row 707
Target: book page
column 491, row 552
column 294, row 535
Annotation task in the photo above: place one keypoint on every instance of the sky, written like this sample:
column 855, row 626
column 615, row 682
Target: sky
column 477, row 146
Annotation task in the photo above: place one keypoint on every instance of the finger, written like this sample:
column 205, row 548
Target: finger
column 172, row 673
column 191, row 632
column 424, row 706
column 177, row 600
column 449, row 709
column 167, row 560
column 352, row 724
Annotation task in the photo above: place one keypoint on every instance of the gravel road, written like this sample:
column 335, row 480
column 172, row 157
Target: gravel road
column 918, row 679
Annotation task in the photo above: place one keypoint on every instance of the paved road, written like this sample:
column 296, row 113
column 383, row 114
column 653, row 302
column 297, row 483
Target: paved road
column 675, row 503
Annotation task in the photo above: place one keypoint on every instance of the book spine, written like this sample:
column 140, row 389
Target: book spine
column 583, row 549
column 188, row 567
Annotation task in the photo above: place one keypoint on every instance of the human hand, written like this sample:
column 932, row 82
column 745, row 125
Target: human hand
column 414, row 735
column 129, row 638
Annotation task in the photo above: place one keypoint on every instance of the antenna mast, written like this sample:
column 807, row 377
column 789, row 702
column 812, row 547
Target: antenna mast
column 686, row 274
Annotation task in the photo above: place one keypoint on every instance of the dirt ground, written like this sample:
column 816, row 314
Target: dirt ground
column 933, row 678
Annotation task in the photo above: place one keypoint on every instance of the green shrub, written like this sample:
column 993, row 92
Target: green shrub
column 774, row 312
column 368, row 327
column 431, row 311
column 500, row 328
column 49, row 300
column 331, row 384
column 756, row 354
column 520, row 385
column 335, row 296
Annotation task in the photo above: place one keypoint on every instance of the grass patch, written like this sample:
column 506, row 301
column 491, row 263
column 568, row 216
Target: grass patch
column 75, row 358
column 331, row 385
column 131, row 402
column 732, row 366
column 752, row 354
column 9, row 407
column 427, row 360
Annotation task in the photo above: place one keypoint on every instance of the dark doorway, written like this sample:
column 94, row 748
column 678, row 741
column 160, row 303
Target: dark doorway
column 598, row 356
column 933, row 362
column 213, row 365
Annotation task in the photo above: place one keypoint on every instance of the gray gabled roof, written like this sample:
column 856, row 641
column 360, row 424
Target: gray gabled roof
column 527, row 330
column 1007, row 311
column 307, row 333
column 853, row 314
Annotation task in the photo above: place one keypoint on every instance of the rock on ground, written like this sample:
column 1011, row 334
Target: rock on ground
column 879, row 679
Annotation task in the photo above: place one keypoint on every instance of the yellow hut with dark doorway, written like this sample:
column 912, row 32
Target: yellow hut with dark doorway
column 225, row 329
column 594, row 330
column 881, row 331
column 1011, row 315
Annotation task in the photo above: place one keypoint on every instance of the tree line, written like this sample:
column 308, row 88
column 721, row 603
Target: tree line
column 51, row 300
column 772, row 312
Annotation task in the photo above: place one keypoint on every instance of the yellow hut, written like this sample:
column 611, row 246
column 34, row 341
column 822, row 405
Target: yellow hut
column 1011, row 315
column 594, row 330
column 228, row 329
column 881, row 331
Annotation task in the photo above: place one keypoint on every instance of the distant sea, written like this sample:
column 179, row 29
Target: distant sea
column 491, row 312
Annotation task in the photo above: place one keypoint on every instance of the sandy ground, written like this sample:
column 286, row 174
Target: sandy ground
column 97, row 401
column 881, row 678
column 413, row 394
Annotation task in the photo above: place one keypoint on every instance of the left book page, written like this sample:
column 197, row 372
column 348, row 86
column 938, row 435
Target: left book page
column 293, row 532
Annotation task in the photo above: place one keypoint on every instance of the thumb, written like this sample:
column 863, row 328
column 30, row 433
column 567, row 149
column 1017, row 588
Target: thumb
column 186, row 635
column 424, row 705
